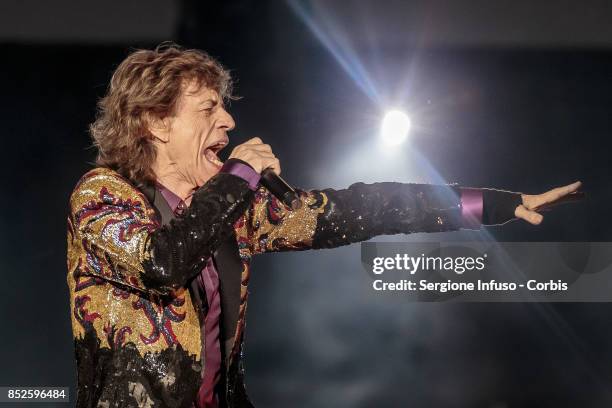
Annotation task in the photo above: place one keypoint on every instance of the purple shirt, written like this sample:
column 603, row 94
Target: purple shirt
column 471, row 207
column 208, row 281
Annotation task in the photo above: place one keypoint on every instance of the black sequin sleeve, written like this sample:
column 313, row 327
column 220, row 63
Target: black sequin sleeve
column 329, row 218
column 363, row 211
column 178, row 251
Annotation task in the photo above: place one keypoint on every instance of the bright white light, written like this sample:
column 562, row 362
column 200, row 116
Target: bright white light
column 395, row 128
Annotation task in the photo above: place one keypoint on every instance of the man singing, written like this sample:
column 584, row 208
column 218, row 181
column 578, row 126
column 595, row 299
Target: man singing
column 161, row 234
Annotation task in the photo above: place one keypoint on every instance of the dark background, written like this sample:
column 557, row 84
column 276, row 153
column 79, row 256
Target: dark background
column 513, row 95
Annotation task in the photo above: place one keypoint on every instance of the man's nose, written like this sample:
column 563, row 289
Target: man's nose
column 226, row 121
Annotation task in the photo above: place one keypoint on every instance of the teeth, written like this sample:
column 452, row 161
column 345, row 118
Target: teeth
column 212, row 157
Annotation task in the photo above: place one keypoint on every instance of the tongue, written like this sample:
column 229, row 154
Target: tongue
column 212, row 157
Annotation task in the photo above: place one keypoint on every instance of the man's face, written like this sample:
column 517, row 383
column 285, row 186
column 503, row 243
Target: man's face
column 194, row 135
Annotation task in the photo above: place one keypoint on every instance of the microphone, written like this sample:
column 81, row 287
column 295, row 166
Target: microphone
column 280, row 189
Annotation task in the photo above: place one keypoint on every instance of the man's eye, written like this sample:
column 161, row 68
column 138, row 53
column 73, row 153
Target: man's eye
column 209, row 108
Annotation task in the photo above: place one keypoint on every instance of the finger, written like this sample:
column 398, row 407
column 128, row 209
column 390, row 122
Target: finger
column 253, row 153
column 254, row 149
column 531, row 217
column 260, row 147
column 269, row 161
column 552, row 195
column 254, row 140
column 559, row 192
column 573, row 187
column 262, row 156
column 276, row 166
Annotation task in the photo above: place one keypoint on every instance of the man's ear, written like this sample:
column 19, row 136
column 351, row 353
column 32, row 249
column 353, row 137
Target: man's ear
column 159, row 127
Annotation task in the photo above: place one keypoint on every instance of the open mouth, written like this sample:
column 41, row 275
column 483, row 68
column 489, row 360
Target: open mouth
column 210, row 153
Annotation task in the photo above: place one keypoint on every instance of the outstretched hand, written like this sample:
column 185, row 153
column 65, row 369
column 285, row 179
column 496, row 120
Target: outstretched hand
column 528, row 211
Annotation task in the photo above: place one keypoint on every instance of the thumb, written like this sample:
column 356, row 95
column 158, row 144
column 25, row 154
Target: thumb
column 531, row 217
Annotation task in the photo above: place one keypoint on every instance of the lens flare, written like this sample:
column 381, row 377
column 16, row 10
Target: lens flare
column 395, row 128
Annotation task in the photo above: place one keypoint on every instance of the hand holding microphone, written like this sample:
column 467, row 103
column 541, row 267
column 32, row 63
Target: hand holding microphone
column 259, row 156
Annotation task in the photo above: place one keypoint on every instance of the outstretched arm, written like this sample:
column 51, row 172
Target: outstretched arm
column 330, row 218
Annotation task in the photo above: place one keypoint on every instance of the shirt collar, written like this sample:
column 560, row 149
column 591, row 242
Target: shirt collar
column 175, row 202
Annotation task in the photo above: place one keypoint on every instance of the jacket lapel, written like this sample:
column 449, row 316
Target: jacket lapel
column 229, row 267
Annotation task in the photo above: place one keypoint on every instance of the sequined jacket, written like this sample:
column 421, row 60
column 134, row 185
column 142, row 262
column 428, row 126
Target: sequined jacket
column 134, row 319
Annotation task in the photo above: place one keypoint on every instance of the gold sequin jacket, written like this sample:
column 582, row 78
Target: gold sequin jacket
column 135, row 322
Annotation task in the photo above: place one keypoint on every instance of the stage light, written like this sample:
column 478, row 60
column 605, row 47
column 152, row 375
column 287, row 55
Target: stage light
column 395, row 128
